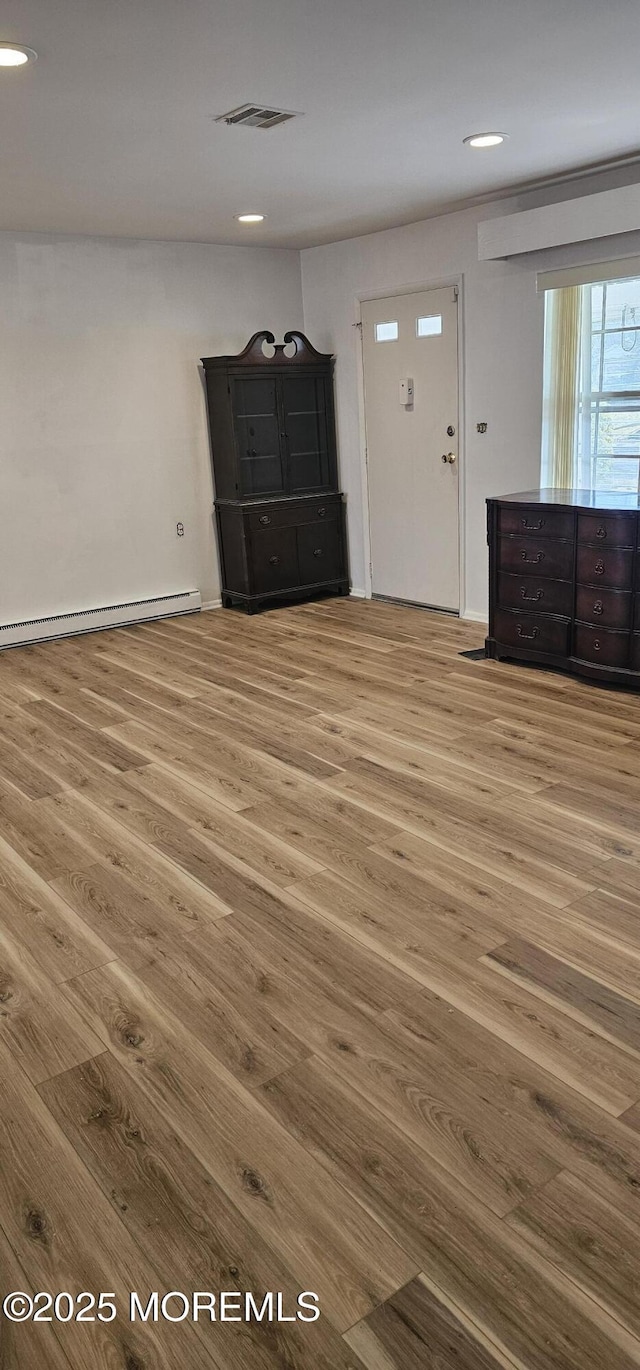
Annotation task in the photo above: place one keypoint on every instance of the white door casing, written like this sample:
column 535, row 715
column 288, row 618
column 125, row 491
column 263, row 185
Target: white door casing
column 413, row 492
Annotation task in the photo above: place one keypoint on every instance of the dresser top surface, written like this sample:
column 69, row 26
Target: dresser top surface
column 575, row 499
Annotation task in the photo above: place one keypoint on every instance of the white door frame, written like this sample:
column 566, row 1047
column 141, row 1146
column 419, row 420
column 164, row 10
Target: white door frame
column 379, row 294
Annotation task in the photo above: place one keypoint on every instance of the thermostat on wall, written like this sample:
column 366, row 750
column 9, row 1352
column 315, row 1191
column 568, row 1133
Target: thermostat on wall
column 406, row 391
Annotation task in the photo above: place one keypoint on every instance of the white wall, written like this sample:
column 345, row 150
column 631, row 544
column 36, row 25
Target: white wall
column 103, row 437
column 502, row 331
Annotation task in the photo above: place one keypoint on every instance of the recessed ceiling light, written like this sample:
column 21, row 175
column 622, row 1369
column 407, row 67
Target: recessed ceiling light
column 484, row 139
column 15, row 55
column 249, row 218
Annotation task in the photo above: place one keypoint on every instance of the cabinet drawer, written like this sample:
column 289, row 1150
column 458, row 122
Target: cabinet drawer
column 276, row 515
column 531, row 631
column 535, row 522
column 530, row 592
column 596, row 644
column 536, row 556
column 635, row 652
column 607, row 531
column 274, row 559
column 605, row 566
column 605, row 608
column 319, row 552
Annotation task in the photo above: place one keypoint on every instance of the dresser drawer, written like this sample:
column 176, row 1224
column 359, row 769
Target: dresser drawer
column 276, row 515
column 635, row 652
column 605, row 608
column 530, row 592
column 536, row 556
column 535, row 522
column 531, row 631
column 607, row 530
column 605, row 566
column 601, row 645
column 274, row 560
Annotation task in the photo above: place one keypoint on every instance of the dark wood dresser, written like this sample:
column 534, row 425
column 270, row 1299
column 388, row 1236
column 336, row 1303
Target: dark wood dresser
column 564, row 582
column 280, row 514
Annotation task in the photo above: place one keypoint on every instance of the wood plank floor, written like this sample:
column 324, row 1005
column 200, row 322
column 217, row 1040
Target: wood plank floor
column 319, row 970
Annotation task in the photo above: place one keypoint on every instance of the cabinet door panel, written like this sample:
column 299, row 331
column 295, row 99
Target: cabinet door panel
column 275, row 560
column 304, row 404
column 257, row 427
column 319, row 552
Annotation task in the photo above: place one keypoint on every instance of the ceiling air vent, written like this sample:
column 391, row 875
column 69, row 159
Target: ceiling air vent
column 256, row 116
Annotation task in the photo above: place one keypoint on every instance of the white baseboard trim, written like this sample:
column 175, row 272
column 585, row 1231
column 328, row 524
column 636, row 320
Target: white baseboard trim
column 356, row 593
column 212, row 604
column 470, row 616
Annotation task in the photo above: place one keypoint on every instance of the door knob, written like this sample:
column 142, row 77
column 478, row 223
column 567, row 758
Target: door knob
column 449, row 457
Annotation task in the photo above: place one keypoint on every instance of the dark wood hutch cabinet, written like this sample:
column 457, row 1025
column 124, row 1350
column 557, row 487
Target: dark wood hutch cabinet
column 279, row 512
column 564, row 582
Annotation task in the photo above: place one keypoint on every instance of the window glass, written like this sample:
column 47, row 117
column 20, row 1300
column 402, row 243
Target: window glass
column 387, row 332
column 609, row 427
column 430, row 326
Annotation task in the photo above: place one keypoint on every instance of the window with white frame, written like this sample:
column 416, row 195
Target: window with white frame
column 609, row 412
column 591, row 423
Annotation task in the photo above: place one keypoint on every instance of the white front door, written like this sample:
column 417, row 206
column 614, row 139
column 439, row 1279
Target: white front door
column 410, row 348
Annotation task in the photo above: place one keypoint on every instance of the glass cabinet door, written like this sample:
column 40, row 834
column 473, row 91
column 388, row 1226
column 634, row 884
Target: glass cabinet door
column 257, row 428
column 305, row 424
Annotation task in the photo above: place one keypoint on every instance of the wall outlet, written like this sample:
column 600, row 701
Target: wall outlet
column 180, row 529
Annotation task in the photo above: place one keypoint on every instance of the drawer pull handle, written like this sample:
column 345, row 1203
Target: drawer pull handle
column 539, row 524
column 321, row 511
column 601, row 532
column 529, row 636
column 598, row 607
column 599, row 568
column 596, row 645
column 275, row 561
column 533, row 560
column 264, row 518
column 534, row 598
column 317, row 551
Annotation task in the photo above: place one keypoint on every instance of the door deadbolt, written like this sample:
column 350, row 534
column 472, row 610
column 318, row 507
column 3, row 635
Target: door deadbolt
column 450, row 431
column 449, row 457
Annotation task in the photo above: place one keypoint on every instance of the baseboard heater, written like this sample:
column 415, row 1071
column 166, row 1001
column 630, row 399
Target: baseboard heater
column 93, row 620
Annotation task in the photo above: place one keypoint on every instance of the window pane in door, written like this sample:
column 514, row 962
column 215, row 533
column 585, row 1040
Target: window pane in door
column 430, row 326
column 387, row 332
column 255, row 408
column 305, row 422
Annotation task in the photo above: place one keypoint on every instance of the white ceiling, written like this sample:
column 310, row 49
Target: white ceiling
column 111, row 131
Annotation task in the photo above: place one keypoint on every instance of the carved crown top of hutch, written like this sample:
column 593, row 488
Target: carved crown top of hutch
column 304, row 354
